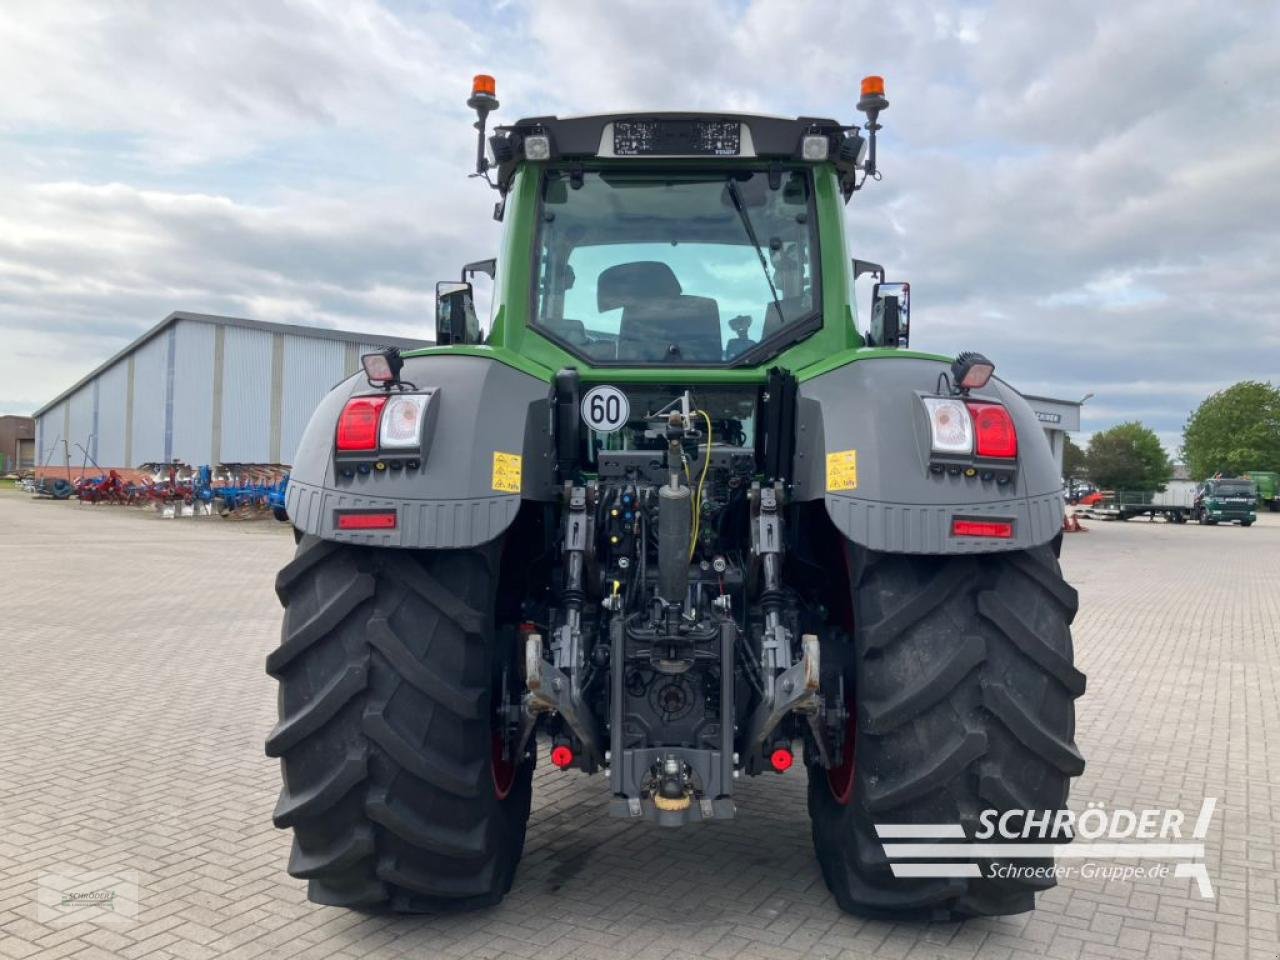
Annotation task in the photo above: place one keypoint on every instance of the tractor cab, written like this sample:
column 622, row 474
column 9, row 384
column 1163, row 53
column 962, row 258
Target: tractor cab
column 674, row 239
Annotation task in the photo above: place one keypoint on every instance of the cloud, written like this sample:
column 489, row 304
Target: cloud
column 1085, row 191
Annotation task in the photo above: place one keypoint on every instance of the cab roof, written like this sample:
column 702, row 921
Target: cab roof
column 764, row 136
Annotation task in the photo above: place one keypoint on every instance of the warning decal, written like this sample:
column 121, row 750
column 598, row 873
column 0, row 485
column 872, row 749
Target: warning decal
column 842, row 470
column 506, row 472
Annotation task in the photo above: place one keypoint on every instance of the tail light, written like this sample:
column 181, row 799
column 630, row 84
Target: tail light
column 959, row 426
column 358, row 424
column 402, row 421
column 993, row 430
column 950, row 427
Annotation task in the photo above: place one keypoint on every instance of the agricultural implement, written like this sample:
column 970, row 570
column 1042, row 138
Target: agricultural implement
column 231, row 490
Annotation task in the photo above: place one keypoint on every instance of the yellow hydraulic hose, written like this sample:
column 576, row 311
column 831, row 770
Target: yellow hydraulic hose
column 702, row 479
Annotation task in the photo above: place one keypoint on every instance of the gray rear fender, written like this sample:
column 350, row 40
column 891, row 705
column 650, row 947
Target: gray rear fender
column 873, row 407
column 456, row 498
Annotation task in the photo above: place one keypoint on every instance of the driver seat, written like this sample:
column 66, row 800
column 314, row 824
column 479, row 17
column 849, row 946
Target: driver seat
column 658, row 316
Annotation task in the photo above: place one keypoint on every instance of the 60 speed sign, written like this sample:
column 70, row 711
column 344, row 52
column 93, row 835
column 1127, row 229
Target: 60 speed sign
column 605, row 409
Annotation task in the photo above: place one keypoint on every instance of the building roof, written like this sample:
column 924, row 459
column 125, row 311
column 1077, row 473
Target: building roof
column 297, row 329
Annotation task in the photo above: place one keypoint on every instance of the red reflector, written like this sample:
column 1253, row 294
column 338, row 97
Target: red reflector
column 1002, row 529
column 367, row 521
column 358, row 425
column 561, row 756
column 994, row 435
column 781, row 759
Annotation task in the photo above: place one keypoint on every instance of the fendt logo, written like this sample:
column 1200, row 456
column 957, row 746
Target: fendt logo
column 1004, row 837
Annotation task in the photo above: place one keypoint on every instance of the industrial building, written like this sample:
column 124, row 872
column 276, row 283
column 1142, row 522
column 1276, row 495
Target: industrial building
column 17, row 444
column 1058, row 418
column 202, row 389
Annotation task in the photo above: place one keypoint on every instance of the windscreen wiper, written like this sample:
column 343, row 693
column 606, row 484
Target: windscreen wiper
column 755, row 241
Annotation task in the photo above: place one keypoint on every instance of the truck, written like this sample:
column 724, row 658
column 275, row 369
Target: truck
column 672, row 518
column 1226, row 500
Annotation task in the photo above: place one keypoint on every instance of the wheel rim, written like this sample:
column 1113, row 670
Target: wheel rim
column 504, row 771
column 840, row 778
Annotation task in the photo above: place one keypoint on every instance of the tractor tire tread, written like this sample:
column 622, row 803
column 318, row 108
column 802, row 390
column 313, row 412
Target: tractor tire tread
column 384, row 734
column 965, row 688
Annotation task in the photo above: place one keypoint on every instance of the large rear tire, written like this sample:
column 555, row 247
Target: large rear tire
column 964, row 693
column 388, row 675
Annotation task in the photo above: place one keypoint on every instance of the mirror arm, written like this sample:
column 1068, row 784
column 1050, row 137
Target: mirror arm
column 863, row 267
column 488, row 267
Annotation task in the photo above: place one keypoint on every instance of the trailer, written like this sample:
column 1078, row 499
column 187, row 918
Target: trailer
column 1127, row 504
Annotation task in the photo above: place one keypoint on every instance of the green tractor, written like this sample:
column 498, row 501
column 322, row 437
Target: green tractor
column 672, row 517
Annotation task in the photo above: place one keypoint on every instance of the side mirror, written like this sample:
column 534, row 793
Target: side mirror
column 456, row 320
column 891, row 315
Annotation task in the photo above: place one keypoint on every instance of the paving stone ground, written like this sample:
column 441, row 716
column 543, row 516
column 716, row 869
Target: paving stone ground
column 133, row 707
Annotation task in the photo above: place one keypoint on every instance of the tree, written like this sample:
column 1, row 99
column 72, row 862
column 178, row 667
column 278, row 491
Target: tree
column 1128, row 457
column 1236, row 429
column 1073, row 459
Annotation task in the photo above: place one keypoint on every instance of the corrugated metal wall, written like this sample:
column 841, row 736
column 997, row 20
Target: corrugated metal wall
column 150, row 369
column 311, row 367
column 246, row 396
column 81, row 423
column 50, row 429
column 193, row 392
column 113, row 397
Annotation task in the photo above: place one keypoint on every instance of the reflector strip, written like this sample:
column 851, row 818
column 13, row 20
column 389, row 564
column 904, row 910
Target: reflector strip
column 561, row 756
column 1000, row 529
column 367, row 521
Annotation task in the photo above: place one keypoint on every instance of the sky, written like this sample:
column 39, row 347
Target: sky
column 1089, row 193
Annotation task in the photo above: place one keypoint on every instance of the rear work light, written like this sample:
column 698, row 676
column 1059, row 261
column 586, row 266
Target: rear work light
column 971, row 371
column 537, row 146
column 358, row 425
column 814, row 147
column 993, row 430
column 382, row 368
column 997, row 529
column 367, row 521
